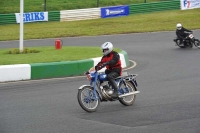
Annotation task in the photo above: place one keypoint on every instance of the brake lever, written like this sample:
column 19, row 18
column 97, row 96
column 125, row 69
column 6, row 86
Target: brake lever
column 86, row 73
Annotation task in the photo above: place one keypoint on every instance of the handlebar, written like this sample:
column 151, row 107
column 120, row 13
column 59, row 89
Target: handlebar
column 86, row 73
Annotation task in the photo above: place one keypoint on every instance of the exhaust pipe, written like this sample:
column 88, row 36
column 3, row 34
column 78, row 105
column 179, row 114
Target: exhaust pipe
column 128, row 94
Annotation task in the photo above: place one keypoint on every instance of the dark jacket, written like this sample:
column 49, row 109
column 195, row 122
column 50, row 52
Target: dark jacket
column 114, row 62
column 181, row 34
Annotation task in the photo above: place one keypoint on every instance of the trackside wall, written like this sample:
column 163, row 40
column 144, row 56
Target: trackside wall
column 53, row 69
column 59, row 69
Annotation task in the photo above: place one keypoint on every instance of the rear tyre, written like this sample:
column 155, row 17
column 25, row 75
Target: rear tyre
column 178, row 42
column 86, row 99
column 128, row 100
column 182, row 46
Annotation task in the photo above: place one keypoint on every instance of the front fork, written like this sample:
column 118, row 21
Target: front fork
column 97, row 91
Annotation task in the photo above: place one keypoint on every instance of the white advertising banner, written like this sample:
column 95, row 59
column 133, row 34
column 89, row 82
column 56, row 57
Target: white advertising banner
column 190, row 4
column 32, row 17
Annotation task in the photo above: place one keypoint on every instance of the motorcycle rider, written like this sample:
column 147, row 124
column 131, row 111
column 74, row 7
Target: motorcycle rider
column 180, row 32
column 110, row 60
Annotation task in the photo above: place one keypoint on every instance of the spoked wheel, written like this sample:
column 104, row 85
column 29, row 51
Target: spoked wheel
column 197, row 43
column 178, row 43
column 128, row 100
column 87, row 100
column 190, row 44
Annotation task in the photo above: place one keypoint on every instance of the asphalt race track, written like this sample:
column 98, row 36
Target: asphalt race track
column 168, row 78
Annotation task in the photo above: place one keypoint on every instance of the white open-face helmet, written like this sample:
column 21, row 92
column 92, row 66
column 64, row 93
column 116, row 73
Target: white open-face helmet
column 179, row 26
column 107, row 47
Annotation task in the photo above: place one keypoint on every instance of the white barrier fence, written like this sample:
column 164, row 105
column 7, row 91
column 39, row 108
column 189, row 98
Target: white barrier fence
column 80, row 14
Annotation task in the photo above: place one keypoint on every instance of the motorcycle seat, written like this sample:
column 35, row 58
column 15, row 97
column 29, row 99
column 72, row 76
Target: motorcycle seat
column 124, row 74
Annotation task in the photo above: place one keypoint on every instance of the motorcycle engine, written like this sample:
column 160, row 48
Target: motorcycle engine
column 178, row 41
column 106, row 92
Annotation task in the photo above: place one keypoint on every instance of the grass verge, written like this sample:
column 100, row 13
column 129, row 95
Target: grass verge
column 50, row 54
column 160, row 21
column 13, row 6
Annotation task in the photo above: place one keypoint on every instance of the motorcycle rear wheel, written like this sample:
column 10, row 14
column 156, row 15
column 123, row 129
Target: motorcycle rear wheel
column 177, row 41
column 128, row 100
column 86, row 99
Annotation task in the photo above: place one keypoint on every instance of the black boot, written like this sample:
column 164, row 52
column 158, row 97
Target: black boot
column 111, row 78
column 115, row 94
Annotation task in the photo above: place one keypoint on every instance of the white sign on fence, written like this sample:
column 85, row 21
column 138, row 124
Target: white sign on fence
column 190, row 4
column 32, row 17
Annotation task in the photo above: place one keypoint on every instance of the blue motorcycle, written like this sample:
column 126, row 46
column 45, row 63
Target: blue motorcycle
column 99, row 90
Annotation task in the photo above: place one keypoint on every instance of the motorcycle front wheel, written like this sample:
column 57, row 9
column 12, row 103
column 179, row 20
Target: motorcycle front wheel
column 87, row 100
column 197, row 43
column 128, row 100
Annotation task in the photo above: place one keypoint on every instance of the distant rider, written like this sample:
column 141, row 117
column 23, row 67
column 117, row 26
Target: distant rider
column 111, row 60
column 181, row 33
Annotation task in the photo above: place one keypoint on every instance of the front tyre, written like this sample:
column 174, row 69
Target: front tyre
column 128, row 100
column 197, row 43
column 86, row 99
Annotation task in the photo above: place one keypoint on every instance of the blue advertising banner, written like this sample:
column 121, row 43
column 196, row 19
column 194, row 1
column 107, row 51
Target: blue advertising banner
column 114, row 11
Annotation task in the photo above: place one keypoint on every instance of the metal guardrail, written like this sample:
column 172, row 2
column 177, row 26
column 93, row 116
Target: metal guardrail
column 154, row 6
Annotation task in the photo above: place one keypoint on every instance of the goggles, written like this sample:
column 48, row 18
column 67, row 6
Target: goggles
column 179, row 28
column 105, row 50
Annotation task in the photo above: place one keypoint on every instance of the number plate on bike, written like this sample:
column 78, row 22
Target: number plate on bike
column 191, row 36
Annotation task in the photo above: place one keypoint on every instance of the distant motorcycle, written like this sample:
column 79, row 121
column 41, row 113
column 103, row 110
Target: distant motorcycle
column 188, row 42
column 100, row 90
